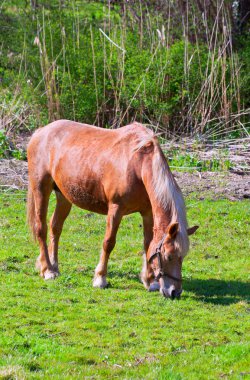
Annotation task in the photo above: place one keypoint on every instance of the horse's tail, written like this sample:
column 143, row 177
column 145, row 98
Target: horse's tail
column 31, row 212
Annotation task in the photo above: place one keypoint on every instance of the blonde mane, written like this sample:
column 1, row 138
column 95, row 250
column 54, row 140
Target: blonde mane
column 170, row 197
column 167, row 191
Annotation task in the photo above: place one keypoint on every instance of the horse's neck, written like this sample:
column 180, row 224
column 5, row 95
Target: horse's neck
column 162, row 219
column 165, row 196
column 162, row 213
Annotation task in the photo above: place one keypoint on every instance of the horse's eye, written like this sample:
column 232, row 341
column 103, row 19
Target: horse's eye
column 170, row 258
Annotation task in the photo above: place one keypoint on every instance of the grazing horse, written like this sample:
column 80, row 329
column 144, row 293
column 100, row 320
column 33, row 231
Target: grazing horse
column 115, row 173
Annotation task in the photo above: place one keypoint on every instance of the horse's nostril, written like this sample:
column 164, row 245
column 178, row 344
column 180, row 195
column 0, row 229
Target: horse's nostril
column 178, row 295
column 173, row 294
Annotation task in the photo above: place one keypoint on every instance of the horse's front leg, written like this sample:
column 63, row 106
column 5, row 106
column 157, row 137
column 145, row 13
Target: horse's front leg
column 147, row 275
column 113, row 221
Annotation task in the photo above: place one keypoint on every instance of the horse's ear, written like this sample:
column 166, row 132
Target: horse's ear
column 147, row 148
column 172, row 231
column 192, row 230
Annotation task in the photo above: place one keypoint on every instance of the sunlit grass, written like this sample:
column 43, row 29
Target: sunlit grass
column 66, row 329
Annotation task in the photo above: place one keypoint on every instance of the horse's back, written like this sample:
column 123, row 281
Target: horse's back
column 74, row 132
column 63, row 135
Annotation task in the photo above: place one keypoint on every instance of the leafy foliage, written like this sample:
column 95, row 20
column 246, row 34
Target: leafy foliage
column 7, row 150
column 186, row 161
column 4, row 146
column 72, row 71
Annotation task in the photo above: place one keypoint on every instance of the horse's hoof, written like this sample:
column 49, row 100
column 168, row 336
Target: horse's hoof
column 100, row 282
column 49, row 275
column 154, row 287
column 55, row 269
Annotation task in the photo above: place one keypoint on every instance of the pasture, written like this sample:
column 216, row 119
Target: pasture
column 66, row 329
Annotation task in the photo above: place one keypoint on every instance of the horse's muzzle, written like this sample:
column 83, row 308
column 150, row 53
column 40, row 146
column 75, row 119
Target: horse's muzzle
column 171, row 292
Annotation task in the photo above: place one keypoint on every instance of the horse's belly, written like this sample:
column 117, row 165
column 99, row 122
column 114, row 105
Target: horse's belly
column 87, row 200
column 87, row 195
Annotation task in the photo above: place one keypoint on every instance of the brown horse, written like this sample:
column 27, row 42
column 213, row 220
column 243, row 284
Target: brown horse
column 111, row 172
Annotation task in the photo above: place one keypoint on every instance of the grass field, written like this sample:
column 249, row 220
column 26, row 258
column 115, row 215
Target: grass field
column 65, row 329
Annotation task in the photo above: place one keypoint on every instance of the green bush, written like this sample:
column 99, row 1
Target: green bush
column 4, row 146
column 8, row 150
column 75, row 71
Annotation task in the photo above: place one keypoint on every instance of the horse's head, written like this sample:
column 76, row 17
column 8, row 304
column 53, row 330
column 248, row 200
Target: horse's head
column 166, row 261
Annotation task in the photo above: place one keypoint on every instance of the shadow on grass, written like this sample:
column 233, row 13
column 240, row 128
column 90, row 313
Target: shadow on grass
column 207, row 290
column 218, row 291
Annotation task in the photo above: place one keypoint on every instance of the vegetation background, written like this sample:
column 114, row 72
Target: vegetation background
column 181, row 66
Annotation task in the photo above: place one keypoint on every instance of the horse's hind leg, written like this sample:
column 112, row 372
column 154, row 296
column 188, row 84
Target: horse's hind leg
column 41, row 194
column 63, row 207
column 113, row 221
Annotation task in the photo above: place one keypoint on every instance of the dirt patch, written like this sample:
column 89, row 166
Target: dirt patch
column 215, row 184
column 14, row 175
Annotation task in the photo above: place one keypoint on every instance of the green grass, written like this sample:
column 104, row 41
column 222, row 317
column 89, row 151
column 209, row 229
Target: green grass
column 183, row 160
column 65, row 329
